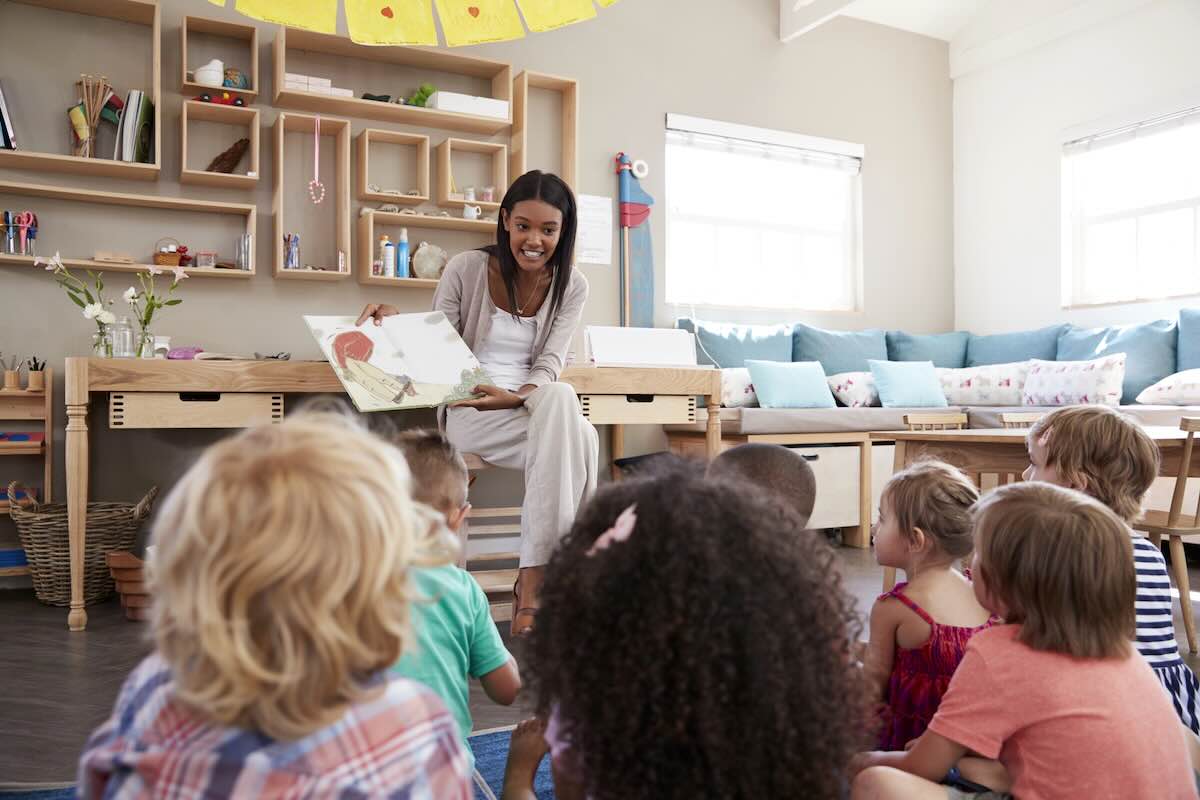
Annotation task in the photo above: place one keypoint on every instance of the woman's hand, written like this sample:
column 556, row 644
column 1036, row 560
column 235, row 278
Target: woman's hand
column 377, row 313
column 494, row 398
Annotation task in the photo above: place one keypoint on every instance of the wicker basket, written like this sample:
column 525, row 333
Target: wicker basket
column 42, row 529
column 166, row 259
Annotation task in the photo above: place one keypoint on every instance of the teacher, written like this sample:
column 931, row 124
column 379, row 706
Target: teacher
column 517, row 304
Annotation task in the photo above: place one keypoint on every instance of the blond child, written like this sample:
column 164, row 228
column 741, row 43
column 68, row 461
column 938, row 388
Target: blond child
column 280, row 583
column 1108, row 456
column 1057, row 694
column 456, row 638
column 920, row 629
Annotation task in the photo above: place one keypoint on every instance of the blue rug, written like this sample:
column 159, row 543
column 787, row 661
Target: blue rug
column 491, row 754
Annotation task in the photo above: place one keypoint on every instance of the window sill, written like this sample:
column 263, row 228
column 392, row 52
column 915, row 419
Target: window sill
column 1130, row 302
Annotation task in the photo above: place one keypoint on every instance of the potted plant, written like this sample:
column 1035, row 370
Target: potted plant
column 89, row 297
column 147, row 301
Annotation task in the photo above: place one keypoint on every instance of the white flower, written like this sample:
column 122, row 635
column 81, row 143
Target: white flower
column 52, row 264
column 93, row 310
column 153, row 270
column 130, row 295
column 106, row 317
column 180, row 274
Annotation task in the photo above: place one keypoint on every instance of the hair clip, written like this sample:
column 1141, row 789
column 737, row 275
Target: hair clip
column 619, row 532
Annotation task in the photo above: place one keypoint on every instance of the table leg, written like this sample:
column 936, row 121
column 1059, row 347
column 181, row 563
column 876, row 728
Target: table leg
column 861, row 536
column 899, row 463
column 77, row 482
column 712, row 432
column 617, row 446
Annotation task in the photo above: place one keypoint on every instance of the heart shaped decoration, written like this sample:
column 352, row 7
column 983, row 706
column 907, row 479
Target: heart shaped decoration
column 473, row 11
column 386, row 11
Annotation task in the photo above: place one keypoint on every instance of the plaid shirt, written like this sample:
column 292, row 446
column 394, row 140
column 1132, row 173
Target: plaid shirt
column 401, row 744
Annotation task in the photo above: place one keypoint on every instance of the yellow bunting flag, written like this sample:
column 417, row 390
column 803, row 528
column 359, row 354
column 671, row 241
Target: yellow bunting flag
column 546, row 15
column 479, row 21
column 311, row 15
column 605, row 3
column 217, row 2
column 391, row 22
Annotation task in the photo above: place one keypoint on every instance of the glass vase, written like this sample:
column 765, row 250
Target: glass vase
column 102, row 344
column 145, row 344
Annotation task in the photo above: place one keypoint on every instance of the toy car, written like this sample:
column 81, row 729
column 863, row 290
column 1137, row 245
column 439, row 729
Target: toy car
column 224, row 99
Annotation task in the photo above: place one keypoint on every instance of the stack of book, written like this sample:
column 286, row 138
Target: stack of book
column 135, row 131
column 8, row 140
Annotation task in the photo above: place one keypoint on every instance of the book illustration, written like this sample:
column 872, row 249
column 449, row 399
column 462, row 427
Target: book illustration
column 410, row 361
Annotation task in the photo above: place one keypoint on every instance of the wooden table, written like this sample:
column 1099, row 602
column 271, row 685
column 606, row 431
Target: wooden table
column 144, row 378
column 1000, row 450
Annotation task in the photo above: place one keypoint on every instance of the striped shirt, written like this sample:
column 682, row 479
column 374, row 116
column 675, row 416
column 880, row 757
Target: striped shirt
column 1155, row 626
column 401, row 743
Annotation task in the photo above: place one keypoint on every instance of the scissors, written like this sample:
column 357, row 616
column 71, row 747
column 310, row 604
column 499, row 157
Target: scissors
column 26, row 229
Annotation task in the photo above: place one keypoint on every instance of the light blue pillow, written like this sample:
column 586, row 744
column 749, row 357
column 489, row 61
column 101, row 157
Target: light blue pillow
column 838, row 351
column 907, row 384
column 948, row 350
column 728, row 345
column 1189, row 340
column 790, row 384
column 1009, row 348
column 1149, row 351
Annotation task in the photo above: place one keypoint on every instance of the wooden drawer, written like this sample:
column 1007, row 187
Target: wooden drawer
column 193, row 409
column 836, row 470
column 638, row 409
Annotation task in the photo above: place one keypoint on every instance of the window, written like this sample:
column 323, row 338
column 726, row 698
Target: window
column 1130, row 199
column 761, row 219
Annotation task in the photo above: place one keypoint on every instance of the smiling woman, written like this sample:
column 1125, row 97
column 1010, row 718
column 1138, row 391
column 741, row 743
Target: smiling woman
column 517, row 304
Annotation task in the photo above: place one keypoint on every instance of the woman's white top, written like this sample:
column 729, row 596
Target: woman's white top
column 507, row 353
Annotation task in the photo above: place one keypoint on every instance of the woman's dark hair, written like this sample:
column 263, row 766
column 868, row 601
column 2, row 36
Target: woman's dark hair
column 549, row 188
column 707, row 655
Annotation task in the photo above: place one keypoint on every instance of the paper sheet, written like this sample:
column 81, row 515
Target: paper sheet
column 593, row 241
column 478, row 21
column 311, row 15
column 546, row 15
column 386, row 22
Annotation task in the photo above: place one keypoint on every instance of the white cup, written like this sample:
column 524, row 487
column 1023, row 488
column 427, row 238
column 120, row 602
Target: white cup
column 469, row 194
column 471, row 212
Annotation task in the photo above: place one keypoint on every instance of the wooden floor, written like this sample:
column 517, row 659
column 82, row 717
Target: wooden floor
column 56, row 686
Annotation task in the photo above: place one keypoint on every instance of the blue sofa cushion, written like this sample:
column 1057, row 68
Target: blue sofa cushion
column 907, row 384
column 728, row 345
column 948, row 350
column 1009, row 348
column 1189, row 340
column 1149, row 351
column 789, row 384
column 838, row 351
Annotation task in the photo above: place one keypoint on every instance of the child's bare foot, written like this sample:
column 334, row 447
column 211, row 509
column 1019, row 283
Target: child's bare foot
column 525, row 753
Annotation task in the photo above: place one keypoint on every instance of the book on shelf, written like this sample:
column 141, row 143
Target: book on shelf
column 8, row 139
column 135, row 139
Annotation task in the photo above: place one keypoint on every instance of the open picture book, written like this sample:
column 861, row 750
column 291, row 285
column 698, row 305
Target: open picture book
column 410, row 361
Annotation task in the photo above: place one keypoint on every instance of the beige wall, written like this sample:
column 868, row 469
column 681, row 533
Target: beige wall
column 637, row 61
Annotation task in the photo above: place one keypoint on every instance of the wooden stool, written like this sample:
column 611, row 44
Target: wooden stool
column 497, row 584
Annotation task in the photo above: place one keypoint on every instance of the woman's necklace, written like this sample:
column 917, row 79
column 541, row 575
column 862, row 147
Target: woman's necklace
column 532, row 294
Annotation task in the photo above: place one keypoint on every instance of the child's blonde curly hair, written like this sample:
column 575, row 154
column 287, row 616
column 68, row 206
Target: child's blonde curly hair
column 280, row 573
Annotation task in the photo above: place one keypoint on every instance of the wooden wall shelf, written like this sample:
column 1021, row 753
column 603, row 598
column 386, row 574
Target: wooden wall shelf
column 139, row 12
column 445, row 156
column 569, row 90
column 229, row 30
column 338, row 194
column 366, row 242
column 499, row 73
column 248, row 211
column 227, row 115
column 370, row 136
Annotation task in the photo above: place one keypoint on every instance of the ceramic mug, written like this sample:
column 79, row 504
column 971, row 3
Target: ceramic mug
column 471, row 212
column 469, row 194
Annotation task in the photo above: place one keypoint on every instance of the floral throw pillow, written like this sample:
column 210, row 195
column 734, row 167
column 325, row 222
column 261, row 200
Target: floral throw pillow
column 990, row 385
column 854, row 389
column 737, row 391
column 1180, row 389
column 1068, row 383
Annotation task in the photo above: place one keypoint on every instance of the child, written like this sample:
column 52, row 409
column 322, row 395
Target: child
column 1057, row 694
column 1107, row 455
column 455, row 635
column 685, row 649
column 280, row 584
column 920, row 629
column 775, row 469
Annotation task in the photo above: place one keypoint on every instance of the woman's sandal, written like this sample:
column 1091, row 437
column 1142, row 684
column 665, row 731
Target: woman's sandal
column 523, row 630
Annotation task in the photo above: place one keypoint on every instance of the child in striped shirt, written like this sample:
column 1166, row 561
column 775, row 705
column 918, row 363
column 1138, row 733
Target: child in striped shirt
column 1107, row 455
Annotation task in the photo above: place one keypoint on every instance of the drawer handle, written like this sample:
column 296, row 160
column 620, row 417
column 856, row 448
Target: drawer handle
column 199, row 397
column 810, row 458
column 639, row 398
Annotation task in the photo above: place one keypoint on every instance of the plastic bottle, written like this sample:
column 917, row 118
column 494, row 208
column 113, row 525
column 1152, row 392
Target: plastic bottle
column 401, row 256
column 388, row 253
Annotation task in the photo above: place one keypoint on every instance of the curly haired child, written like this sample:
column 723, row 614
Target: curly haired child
column 1107, row 455
column 280, row 579
column 1056, row 694
column 685, row 649
column 920, row 629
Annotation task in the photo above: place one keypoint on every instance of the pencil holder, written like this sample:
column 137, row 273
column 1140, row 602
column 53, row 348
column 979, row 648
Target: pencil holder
column 37, row 380
column 12, row 379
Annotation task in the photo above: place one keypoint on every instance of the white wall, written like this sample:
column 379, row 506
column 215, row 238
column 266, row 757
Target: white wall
column 1025, row 72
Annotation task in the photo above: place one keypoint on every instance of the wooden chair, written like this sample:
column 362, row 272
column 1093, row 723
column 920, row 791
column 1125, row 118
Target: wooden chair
column 497, row 584
column 1015, row 420
column 1175, row 525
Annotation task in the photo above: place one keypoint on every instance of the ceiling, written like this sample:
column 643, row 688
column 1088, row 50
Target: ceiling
column 941, row 19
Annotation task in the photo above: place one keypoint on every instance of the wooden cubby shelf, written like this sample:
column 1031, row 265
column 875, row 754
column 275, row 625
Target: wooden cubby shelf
column 338, row 194
column 446, row 183
column 370, row 136
column 569, row 89
column 25, row 407
column 229, row 30
column 498, row 73
column 227, row 115
column 139, row 12
column 366, row 242
column 248, row 211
